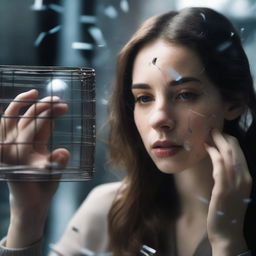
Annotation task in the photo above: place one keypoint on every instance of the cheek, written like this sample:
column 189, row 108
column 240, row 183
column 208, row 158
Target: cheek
column 200, row 123
column 140, row 124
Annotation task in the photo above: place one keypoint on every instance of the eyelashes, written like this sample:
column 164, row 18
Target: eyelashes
column 187, row 96
column 143, row 99
column 182, row 96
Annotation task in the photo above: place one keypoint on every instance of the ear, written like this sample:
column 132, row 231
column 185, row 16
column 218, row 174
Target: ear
column 234, row 110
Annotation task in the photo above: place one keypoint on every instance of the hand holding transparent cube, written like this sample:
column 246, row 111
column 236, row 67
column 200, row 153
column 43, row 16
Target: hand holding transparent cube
column 47, row 129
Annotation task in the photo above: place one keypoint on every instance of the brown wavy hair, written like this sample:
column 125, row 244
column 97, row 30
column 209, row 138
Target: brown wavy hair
column 148, row 203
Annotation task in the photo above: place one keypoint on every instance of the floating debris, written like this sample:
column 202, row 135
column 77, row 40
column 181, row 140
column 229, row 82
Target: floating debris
column 187, row 144
column 42, row 35
column 111, row 12
column 88, row 19
column 242, row 33
column 147, row 251
column 197, row 113
column 82, row 46
column 154, row 61
column 75, row 229
column 54, row 30
column 247, row 200
column 124, row 5
column 97, row 35
column 224, row 46
column 203, row 16
column 56, row 8
column 203, row 199
column 40, row 38
column 38, row 6
column 174, row 74
column 220, row 213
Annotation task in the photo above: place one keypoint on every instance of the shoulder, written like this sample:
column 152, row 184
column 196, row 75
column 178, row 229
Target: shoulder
column 106, row 191
column 100, row 199
column 98, row 203
column 91, row 219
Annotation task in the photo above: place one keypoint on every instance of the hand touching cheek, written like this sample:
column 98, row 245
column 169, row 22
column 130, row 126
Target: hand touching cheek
column 232, row 186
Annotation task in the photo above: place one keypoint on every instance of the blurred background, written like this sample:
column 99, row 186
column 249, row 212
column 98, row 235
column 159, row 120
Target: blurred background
column 90, row 33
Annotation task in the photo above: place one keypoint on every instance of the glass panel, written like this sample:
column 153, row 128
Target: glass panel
column 74, row 130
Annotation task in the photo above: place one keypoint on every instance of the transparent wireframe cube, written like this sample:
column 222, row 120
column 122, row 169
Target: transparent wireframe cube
column 74, row 130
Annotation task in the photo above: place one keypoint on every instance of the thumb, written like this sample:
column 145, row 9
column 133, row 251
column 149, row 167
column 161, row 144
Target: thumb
column 60, row 157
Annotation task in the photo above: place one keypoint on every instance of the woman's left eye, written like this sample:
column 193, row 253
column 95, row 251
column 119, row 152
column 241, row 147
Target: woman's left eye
column 143, row 99
column 187, row 96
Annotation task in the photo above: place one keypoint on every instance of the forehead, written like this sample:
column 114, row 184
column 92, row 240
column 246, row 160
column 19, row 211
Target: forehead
column 168, row 56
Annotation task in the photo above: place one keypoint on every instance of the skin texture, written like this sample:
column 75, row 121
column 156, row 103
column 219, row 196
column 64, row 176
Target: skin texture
column 191, row 114
column 170, row 112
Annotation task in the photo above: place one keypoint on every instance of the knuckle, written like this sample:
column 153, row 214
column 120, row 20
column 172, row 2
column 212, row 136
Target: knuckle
column 18, row 97
column 233, row 139
column 217, row 175
column 228, row 151
column 219, row 160
column 220, row 192
column 248, row 180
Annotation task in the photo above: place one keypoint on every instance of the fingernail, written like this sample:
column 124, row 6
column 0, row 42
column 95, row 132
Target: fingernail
column 32, row 90
column 56, row 98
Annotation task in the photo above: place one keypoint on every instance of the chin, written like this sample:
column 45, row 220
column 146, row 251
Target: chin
column 167, row 169
column 178, row 166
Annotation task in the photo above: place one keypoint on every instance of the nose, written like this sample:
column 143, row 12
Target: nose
column 162, row 117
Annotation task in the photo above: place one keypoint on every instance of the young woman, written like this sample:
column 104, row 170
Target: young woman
column 182, row 124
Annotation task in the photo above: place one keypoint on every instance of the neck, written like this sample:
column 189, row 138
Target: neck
column 194, row 186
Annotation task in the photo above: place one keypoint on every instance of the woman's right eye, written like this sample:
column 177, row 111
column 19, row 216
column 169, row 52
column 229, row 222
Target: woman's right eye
column 143, row 99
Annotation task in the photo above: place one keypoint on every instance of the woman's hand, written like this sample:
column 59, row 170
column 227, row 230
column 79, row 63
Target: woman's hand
column 24, row 141
column 230, row 195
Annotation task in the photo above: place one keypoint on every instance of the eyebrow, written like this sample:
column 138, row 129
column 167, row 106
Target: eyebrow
column 179, row 81
column 183, row 80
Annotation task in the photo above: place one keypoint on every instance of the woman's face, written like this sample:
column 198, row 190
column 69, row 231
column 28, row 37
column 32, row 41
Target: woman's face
column 176, row 105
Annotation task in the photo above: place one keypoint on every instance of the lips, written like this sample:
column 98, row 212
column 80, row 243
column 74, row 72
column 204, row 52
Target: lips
column 165, row 148
column 165, row 144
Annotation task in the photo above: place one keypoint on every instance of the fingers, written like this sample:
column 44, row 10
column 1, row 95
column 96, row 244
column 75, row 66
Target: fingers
column 229, row 162
column 60, row 156
column 33, row 128
column 219, row 173
column 226, row 153
column 11, row 127
column 229, row 148
column 28, row 135
column 37, row 108
column 239, row 165
column 38, row 131
column 11, row 114
column 45, row 128
column 9, row 118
